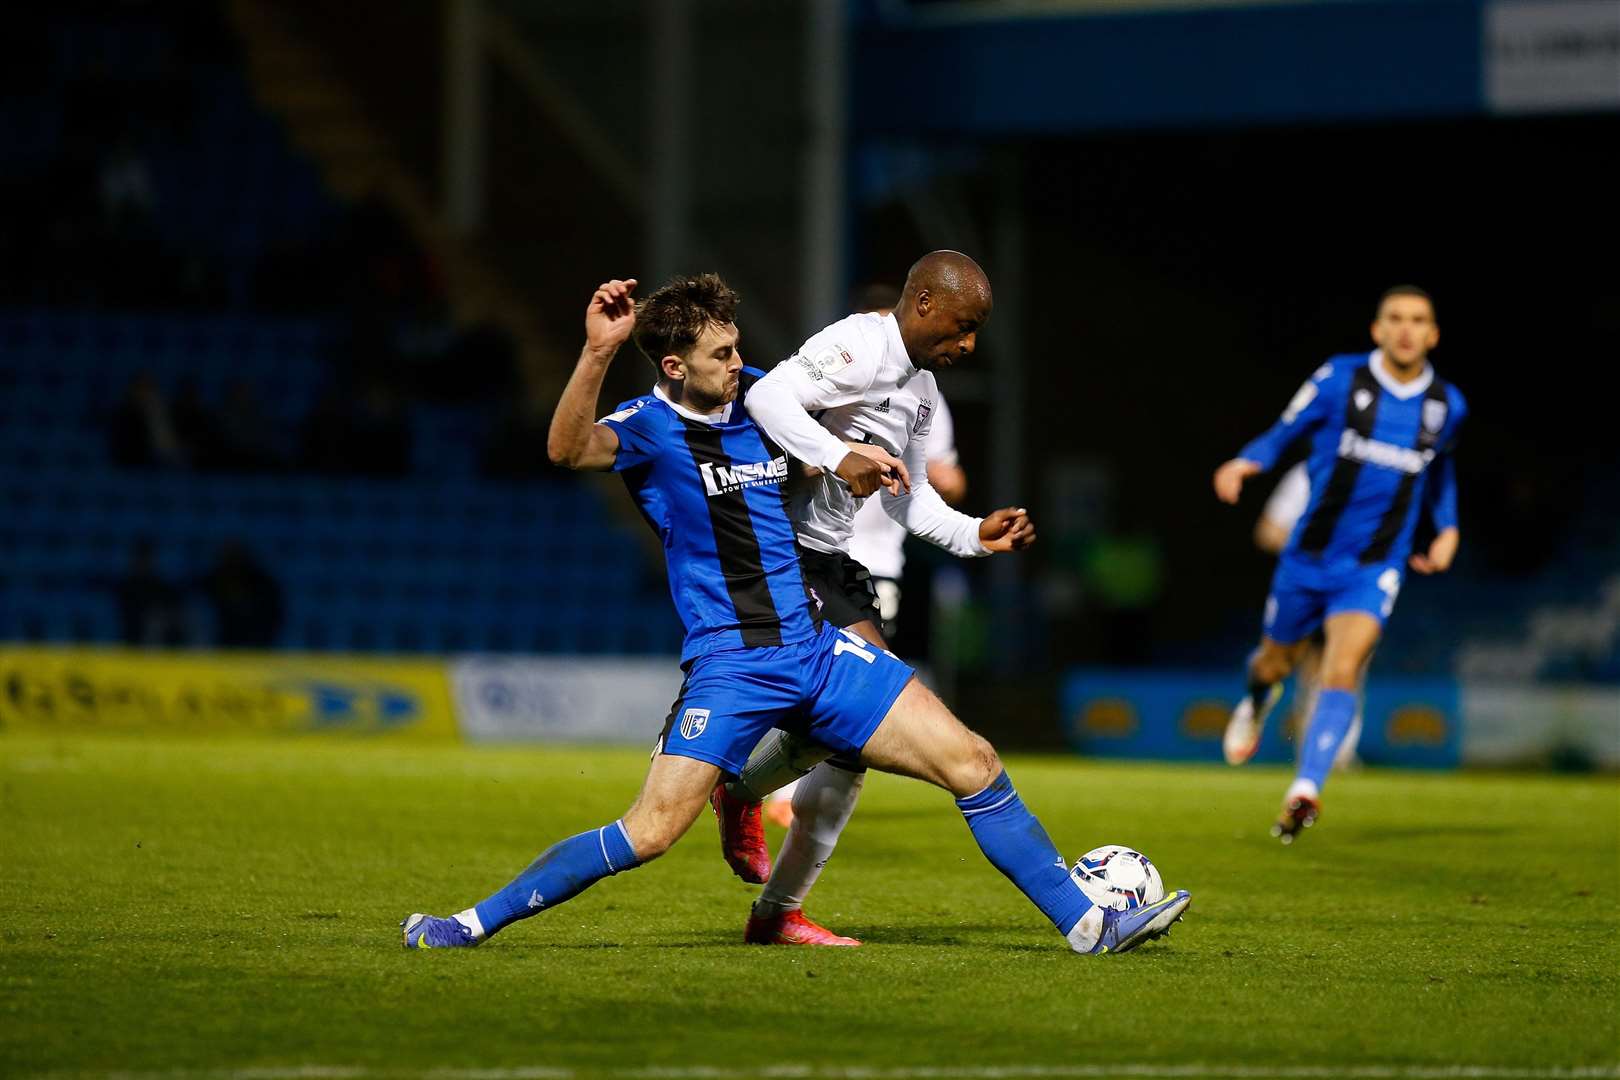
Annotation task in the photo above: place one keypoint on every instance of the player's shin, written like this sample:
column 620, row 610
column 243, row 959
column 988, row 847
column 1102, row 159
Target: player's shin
column 1258, row 685
column 778, row 760
column 560, row 873
column 822, row 806
column 1016, row 844
column 1330, row 722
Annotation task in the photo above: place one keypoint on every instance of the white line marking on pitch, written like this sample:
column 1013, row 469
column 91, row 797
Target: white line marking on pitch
column 863, row 1072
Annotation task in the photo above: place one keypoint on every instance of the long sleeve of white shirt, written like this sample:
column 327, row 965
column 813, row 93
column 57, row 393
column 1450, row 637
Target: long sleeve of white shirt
column 926, row 515
column 779, row 403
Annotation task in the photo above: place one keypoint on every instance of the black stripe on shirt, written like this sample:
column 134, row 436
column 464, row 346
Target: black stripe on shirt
column 1336, row 495
column 811, row 603
column 1395, row 517
column 737, row 545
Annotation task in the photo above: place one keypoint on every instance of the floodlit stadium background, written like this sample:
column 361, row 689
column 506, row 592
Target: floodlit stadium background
column 288, row 296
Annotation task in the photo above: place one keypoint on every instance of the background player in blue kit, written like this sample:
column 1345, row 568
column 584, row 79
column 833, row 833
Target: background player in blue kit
column 756, row 654
column 1382, row 426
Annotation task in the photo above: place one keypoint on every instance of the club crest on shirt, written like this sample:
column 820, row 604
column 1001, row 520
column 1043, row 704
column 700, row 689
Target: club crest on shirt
column 693, row 722
column 924, row 408
column 1434, row 416
column 1363, row 399
column 1302, row 397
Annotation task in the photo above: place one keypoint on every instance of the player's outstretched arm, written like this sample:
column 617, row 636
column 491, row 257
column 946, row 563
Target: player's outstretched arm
column 1305, row 413
column 576, row 441
column 1230, row 476
column 925, row 515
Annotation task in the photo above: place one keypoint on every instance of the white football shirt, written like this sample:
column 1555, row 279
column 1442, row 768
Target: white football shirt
column 860, row 383
column 879, row 541
column 1289, row 499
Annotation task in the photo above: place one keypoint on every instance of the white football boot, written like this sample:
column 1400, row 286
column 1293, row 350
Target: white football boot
column 1243, row 730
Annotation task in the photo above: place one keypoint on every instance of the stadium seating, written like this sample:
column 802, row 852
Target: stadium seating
column 436, row 560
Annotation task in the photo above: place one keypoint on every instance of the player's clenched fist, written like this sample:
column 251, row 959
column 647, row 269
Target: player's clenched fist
column 1007, row 529
column 866, row 468
column 611, row 315
column 1229, row 478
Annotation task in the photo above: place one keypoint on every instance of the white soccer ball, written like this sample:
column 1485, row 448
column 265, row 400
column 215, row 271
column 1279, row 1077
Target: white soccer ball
column 1114, row 876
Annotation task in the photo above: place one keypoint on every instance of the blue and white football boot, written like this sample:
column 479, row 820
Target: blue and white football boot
column 1123, row 931
column 429, row 932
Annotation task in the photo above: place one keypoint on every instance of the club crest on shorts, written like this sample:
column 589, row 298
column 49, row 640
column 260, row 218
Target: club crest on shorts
column 693, row 721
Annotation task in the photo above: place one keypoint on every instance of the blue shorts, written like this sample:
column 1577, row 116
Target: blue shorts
column 1304, row 593
column 835, row 688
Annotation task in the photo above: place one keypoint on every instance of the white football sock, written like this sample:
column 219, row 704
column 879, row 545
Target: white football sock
column 821, row 808
column 1302, row 786
column 470, row 920
column 778, row 760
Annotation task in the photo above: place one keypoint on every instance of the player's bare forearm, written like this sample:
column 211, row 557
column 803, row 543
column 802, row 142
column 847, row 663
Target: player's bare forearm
column 949, row 480
column 1442, row 552
column 575, row 440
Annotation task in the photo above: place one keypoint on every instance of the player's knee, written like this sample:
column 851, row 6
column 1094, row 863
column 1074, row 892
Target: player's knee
column 1272, row 664
column 651, row 833
column 976, row 768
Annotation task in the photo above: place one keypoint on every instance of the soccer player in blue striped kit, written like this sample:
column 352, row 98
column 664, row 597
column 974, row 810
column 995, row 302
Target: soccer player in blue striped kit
column 1381, row 428
column 757, row 654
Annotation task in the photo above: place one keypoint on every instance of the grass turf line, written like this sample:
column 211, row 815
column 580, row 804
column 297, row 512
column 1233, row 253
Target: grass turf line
column 175, row 905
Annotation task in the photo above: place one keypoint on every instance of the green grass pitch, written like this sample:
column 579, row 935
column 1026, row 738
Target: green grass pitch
column 231, row 908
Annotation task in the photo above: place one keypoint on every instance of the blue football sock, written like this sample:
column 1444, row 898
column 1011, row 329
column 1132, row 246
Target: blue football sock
column 563, row 871
column 1330, row 723
column 1015, row 844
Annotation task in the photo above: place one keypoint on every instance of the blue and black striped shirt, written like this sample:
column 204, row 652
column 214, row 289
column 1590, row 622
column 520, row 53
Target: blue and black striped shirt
column 712, row 488
column 1375, row 445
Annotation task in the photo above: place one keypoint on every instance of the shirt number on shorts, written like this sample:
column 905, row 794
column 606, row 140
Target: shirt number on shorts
column 1389, row 582
column 851, row 642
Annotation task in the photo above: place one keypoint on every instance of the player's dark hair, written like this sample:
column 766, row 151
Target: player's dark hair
column 670, row 320
column 1408, row 290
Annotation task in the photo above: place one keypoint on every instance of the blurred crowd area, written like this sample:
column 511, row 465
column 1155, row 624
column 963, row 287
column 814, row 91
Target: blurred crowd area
column 236, row 410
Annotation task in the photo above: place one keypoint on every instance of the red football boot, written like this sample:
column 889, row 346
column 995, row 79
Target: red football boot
column 791, row 928
column 1298, row 814
column 742, row 836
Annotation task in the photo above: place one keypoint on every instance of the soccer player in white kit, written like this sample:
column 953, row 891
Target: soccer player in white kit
column 867, row 379
column 1281, row 513
column 879, row 542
